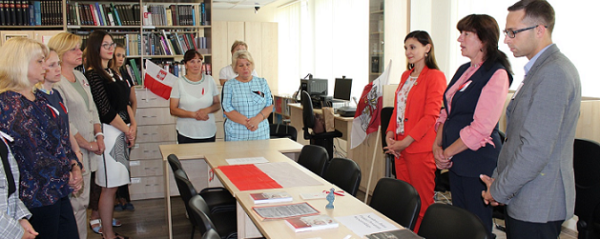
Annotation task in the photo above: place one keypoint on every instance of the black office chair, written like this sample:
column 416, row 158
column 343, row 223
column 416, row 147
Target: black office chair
column 343, row 173
column 397, row 200
column 314, row 158
column 223, row 223
column 443, row 221
column 187, row 191
column 174, row 162
column 586, row 165
column 390, row 166
column 283, row 131
column 217, row 198
column 324, row 139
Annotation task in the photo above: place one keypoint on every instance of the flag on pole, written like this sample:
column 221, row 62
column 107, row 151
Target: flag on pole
column 368, row 111
column 158, row 80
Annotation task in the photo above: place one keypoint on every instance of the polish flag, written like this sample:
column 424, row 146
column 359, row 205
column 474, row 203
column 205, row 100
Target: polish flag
column 158, row 80
column 368, row 111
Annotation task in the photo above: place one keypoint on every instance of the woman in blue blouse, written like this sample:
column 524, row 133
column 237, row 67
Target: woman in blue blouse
column 247, row 102
column 42, row 150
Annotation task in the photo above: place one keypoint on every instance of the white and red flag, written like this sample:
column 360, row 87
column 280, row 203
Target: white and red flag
column 158, row 80
column 368, row 111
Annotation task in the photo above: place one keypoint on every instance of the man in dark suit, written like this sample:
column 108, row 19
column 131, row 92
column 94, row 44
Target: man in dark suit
column 534, row 177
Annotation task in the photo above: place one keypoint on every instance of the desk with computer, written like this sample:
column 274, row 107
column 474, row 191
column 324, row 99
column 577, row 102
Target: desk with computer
column 317, row 89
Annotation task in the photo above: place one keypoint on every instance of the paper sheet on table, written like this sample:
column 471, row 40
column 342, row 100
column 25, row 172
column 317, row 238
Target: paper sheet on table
column 287, row 175
column 253, row 160
column 365, row 224
column 248, row 177
column 286, row 211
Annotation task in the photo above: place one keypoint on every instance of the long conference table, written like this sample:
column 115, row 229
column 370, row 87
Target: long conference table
column 215, row 154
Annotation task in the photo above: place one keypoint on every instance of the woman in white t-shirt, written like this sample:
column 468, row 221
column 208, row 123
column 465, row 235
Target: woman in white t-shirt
column 194, row 99
column 227, row 72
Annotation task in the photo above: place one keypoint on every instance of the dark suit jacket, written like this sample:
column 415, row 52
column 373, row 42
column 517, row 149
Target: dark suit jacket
column 534, row 176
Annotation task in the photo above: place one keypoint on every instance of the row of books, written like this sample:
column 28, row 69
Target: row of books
column 161, row 43
column 174, row 15
column 103, row 14
column 178, row 69
column 30, row 13
column 117, row 38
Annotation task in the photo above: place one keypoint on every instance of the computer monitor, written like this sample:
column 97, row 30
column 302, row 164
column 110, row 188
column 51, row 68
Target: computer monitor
column 314, row 86
column 343, row 88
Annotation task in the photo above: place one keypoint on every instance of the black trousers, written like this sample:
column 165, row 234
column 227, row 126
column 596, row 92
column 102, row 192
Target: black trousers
column 55, row 221
column 517, row 229
column 185, row 140
column 466, row 194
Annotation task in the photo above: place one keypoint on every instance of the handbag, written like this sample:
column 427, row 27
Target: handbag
column 328, row 117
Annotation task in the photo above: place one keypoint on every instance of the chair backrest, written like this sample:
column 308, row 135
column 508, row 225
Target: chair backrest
column 397, row 200
column 308, row 115
column 586, row 165
column 201, row 214
column 283, row 131
column 186, row 189
column 443, row 221
column 344, row 173
column 174, row 162
column 211, row 234
column 386, row 114
column 314, row 158
column 390, row 166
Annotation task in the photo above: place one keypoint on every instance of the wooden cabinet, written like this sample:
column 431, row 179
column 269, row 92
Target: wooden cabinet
column 156, row 126
column 376, row 38
column 262, row 40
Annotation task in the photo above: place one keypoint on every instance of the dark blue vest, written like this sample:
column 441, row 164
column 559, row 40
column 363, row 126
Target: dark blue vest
column 470, row 163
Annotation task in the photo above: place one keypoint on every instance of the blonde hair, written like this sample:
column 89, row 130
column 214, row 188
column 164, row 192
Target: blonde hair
column 40, row 85
column 238, row 43
column 241, row 55
column 17, row 53
column 63, row 42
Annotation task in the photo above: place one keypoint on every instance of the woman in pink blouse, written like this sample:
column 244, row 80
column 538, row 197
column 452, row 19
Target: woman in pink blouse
column 467, row 139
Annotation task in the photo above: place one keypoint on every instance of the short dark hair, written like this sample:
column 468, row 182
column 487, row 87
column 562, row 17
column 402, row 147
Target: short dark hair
column 423, row 38
column 537, row 10
column 487, row 30
column 191, row 54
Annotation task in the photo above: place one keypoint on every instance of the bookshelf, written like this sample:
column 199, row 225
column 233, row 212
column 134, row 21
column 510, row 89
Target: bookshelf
column 376, row 38
column 135, row 24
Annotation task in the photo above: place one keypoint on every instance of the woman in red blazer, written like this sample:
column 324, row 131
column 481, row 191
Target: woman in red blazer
column 416, row 107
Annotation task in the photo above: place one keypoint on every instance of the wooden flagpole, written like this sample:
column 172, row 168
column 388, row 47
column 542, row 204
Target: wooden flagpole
column 372, row 163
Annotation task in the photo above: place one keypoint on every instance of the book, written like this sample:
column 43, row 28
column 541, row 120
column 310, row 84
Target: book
column 271, row 197
column 136, row 71
column 310, row 223
column 395, row 234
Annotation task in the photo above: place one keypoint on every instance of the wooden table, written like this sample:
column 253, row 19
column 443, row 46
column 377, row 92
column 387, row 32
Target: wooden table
column 215, row 155
column 278, row 148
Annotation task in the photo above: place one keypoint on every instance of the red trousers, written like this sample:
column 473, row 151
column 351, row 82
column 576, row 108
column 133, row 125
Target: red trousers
column 418, row 169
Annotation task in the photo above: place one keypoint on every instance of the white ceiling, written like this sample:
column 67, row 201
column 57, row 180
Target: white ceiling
column 240, row 4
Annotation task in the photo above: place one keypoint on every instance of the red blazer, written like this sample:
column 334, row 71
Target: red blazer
column 422, row 109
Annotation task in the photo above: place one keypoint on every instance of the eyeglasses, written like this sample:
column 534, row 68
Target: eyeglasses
column 108, row 46
column 513, row 33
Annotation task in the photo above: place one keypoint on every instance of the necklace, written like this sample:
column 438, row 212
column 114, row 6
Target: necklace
column 109, row 72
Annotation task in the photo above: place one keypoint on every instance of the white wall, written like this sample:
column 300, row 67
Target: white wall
column 572, row 33
column 264, row 14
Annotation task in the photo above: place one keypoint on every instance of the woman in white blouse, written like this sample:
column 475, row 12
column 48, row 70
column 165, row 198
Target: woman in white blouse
column 194, row 100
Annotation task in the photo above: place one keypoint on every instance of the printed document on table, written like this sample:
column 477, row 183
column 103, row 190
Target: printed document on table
column 365, row 224
column 253, row 160
column 286, row 211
